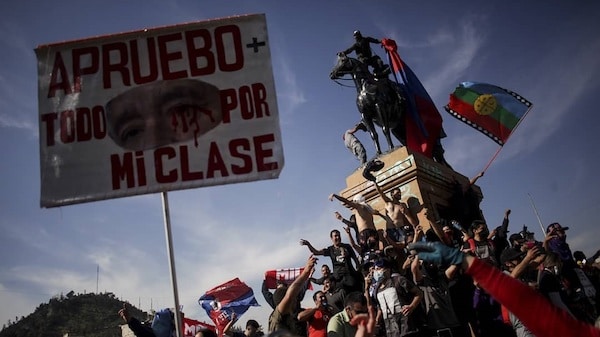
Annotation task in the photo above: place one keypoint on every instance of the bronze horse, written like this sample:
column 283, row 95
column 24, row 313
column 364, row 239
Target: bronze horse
column 379, row 101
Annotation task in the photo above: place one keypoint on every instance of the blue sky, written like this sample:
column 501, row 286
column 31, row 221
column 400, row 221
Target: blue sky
column 548, row 53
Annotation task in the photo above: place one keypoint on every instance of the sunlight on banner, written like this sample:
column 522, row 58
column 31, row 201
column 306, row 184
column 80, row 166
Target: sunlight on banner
column 158, row 109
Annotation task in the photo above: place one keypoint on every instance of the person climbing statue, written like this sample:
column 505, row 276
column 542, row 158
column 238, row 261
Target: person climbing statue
column 354, row 145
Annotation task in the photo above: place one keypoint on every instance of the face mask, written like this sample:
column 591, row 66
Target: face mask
column 377, row 275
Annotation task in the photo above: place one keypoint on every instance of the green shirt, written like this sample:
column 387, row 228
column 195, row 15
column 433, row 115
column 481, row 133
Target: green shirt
column 339, row 325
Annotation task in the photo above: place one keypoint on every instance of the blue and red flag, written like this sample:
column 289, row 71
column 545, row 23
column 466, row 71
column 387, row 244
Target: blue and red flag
column 223, row 300
column 423, row 118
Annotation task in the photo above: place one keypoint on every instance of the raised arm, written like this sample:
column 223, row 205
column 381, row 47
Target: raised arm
column 343, row 220
column 343, row 200
column 312, row 249
column 435, row 226
column 475, row 178
column 227, row 328
column 267, row 294
column 286, row 306
column 511, row 293
column 135, row 325
column 522, row 266
column 384, row 197
column 352, row 242
column 502, row 233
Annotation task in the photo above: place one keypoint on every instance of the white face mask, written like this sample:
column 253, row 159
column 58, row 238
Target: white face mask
column 377, row 275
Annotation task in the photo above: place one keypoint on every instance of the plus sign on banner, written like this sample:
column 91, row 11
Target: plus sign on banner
column 157, row 109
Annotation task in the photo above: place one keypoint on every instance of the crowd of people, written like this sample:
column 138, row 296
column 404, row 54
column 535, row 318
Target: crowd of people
column 450, row 277
column 411, row 294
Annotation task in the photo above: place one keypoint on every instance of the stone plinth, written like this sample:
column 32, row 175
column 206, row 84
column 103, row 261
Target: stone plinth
column 423, row 183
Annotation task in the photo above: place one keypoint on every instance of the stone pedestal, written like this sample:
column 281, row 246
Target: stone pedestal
column 423, row 182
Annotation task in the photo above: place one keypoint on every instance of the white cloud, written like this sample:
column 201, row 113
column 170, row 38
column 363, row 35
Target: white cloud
column 290, row 95
column 16, row 303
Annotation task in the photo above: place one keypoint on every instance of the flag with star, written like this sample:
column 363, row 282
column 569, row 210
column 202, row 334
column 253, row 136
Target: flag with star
column 492, row 110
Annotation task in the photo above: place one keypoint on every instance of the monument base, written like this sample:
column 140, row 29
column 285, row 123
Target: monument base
column 423, row 182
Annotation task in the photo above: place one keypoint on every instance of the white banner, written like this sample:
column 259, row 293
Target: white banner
column 156, row 110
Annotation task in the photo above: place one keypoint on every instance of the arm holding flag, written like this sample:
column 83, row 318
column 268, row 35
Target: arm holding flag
column 227, row 328
column 134, row 324
column 267, row 294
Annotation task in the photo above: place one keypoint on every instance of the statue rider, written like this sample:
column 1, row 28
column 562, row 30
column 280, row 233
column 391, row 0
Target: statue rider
column 363, row 51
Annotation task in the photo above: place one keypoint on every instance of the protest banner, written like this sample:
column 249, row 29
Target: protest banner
column 156, row 110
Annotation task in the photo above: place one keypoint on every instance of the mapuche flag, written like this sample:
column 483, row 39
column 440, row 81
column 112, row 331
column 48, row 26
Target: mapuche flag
column 225, row 299
column 492, row 110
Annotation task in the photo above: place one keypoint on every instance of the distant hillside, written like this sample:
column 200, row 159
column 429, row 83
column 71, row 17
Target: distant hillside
column 88, row 315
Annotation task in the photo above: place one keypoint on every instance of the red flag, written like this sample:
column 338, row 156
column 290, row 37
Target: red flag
column 191, row 326
column 287, row 275
column 392, row 49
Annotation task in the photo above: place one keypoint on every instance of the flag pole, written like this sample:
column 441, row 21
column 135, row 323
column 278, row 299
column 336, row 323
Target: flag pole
column 491, row 160
column 537, row 214
column 169, row 238
column 511, row 132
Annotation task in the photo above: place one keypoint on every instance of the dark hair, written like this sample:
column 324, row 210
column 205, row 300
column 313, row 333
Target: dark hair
column 206, row 332
column 333, row 231
column 316, row 294
column 355, row 297
column 578, row 255
column 476, row 223
column 253, row 323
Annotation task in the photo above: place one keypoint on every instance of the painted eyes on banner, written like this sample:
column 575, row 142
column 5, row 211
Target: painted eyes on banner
column 163, row 113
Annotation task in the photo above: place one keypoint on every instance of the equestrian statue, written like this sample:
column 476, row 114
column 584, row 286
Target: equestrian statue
column 379, row 101
column 393, row 106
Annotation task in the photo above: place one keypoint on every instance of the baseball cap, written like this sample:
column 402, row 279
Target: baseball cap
column 555, row 226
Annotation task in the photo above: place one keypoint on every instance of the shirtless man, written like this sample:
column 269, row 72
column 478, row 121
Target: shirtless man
column 398, row 212
column 364, row 216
